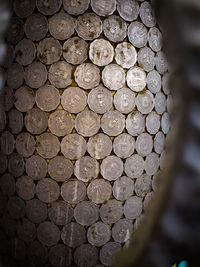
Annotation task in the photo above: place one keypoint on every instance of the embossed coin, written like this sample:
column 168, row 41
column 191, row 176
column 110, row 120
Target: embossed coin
column 147, row 14
column 103, row 7
column 98, row 234
column 47, row 190
column 26, row 230
column 124, row 100
column 137, row 34
column 133, row 207
column 154, row 81
column 160, row 103
column 86, row 255
column 152, row 163
column 123, row 188
column 126, row 55
column 60, row 74
column 159, row 142
column 15, row 121
column 25, row 52
column 16, row 207
column 25, row 187
column 60, row 212
column 161, row 62
column 75, row 7
column 111, row 211
column 48, row 233
column 60, row 255
column 99, row 191
column 37, row 253
column 15, row 31
column 15, row 164
column 24, row 8
column 25, row 144
column 136, row 79
column 86, row 168
column 35, row 75
column 36, row 121
column 15, row 76
column 60, row 168
column 24, row 99
column 146, row 58
column 7, row 142
column 143, row 185
column 47, row 98
column 47, row 145
column 155, row 39
column 113, row 123
column 153, row 122
column 73, row 191
column 48, row 7
column 73, row 234
column 165, row 84
column 165, row 123
column 108, row 253
column 124, row 145
column 134, row 166
column 144, row 144
column 36, row 167
column 128, row 9
column 113, row 77
column 145, row 102
column 36, row 211
column 122, row 230
column 86, row 213
column 111, row 168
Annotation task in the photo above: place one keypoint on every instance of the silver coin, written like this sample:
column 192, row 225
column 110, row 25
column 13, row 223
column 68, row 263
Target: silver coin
column 113, row 77
column 26, row 230
column 125, row 55
column 47, row 190
column 17, row 249
column 159, row 142
column 60, row 256
column 154, row 81
column 25, row 52
column 60, row 168
column 153, row 122
column 145, row 102
column 124, row 100
column 134, row 166
column 15, row 30
column 147, row 14
column 137, row 34
column 15, row 76
column 147, row 200
column 36, row 121
column 124, row 145
column 99, row 146
column 152, row 163
column 15, row 121
column 128, row 9
column 36, row 27
column 73, row 191
column 111, row 211
column 112, row 123
column 3, row 162
column 146, row 58
column 99, row 191
column 100, row 100
column 7, row 98
column 36, row 167
column 15, row 164
column 86, row 213
column 111, row 168
column 165, row 84
column 115, row 28
column 9, row 56
column 25, row 144
column 143, row 185
column 7, row 142
column 24, row 99
column 35, row 75
column 36, row 211
column 73, row 234
column 160, row 103
column 73, row 146
column 133, row 207
column 101, row 52
column 47, row 145
column 155, row 39
column 122, row 230
column 87, row 123
column 86, row 255
column 48, row 233
column 165, row 123
column 24, row 8
column 61, row 26
column 60, row 212
column 3, row 119
column 135, row 123
column 103, row 7
column 98, row 234
column 144, row 144
column 86, row 168
column 108, row 253
column 161, row 62
column 136, row 79
column 16, row 207
column 87, row 75
column 88, row 26
column 48, row 7
column 25, row 187
column 7, row 184
column 123, row 188
column 37, row 253
column 75, row 7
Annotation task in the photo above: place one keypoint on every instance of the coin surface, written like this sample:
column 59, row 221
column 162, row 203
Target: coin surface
column 25, row 144
column 60, row 212
column 147, row 14
column 15, row 121
column 122, row 230
column 153, row 122
column 111, row 168
column 135, row 123
column 25, row 52
column 15, row 76
column 75, row 7
column 123, row 188
column 86, row 255
column 152, row 163
column 133, row 207
column 155, row 39
column 136, row 79
column 165, row 84
column 25, row 187
column 125, row 55
column 3, row 119
column 3, row 162
column 165, row 123
column 7, row 142
column 24, row 8
column 113, row 77
column 47, row 98
column 73, row 234
column 48, row 8
column 35, row 75
column 73, row 191
column 99, row 191
column 26, row 230
column 60, row 168
column 108, row 253
column 159, row 142
column 60, row 255
column 15, row 164
column 47, row 145
column 160, row 103
column 134, row 166
column 112, row 123
column 48, row 233
column 36, row 167
column 103, row 7
column 137, row 34
column 7, row 98
column 154, row 81
column 98, row 234
column 16, row 207
column 47, row 190
column 128, row 9
column 124, row 100
column 36, row 211
column 143, row 185
column 37, row 253
column 111, row 211
column 86, row 168
column 86, row 213
column 146, row 58
column 145, row 102
column 36, row 121
column 7, row 184
column 124, row 145
column 144, row 144
column 15, row 30
column 24, row 99
column 161, row 62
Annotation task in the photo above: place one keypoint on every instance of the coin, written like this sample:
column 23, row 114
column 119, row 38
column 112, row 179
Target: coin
column 146, row 58
column 143, row 185
column 7, row 142
column 99, row 146
column 60, row 168
column 153, row 122
column 86, row 255
column 103, row 7
column 15, row 30
column 124, row 145
column 100, row 100
column 124, row 100
column 87, row 123
column 36, row 27
column 87, row 75
column 25, row 52
column 60, row 123
column 36, row 211
column 144, row 144
column 47, row 145
column 152, row 163
column 133, row 207
column 101, row 52
column 134, row 166
column 154, row 81
column 25, row 144
column 35, row 75
column 112, row 123
column 123, row 188
column 145, row 102
column 61, row 26
column 125, row 55
column 15, row 76
column 147, row 14
column 7, row 98
column 165, row 123
column 24, row 99
column 113, row 77
column 25, row 187
column 165, row 84
column 37, row 253
column 128, row 9
column 48, row 7
column 47, row 190
column 48, row 233
column 7, row 184
column 16, row 207
column 137, row 34
column 17, row 249
column 155, row 39
column 75, row 7
column 24, row 8
column 73, row 234
column 135, row 123
column 47, row 98
column 159, row 142
column 98, row 234
column 88, row 26
column 160, row 103
column 60, row 212
column 26, row 230
column 36, row 167
column 3, row 203
column 15, row 121
column 60, row 74
column 136, row 79
column 99, row 191
column 108, row 253
column 161, row 62
column 3, row 119
column 60, row 256
column 111, row 211
column 122, row 230
column 111, row 168
column 36, row 121
column 86, row 213
column 86, row 168
column 73, row 146
column 3, row 162
column 73, row 191
column 156, row 181
column 15, row 164
column 147, row 200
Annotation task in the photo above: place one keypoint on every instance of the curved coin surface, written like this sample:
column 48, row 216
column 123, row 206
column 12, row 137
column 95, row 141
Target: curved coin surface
column 125, row 55
column 47, row 145
column 124, row 100
column 112, row 123
column 111, row 168
column 60, row 168
column 86, row 168
column 47, row 98
column 113, row 77
column 99, row 191
column 124, row 145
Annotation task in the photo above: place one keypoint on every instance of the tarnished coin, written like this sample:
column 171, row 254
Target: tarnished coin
column 99, row 191
column 15, row 164
column 47, row 190
column 25, row 144
column 159, row 142
column 7, row 184
column 36, row 211
column 165, row 123
column 60, row 212
column 24, row 8
column 7, row 98
column 15, row 31
column 3, row 162
column 9, row 56
column 146, row 58
column 36, row 121
column 36, row 167
column 73, row 146
column 145, row 102
column 123, row 188
column 48, row 7
column 154, row 81
column 86, row 255
column 125, row 55
column 60, row 123
column 112, row 123
column 136, row 79
column 153, row 122
column 37, row 253
column 100, row 100
column 115, row 28
column 24, row 99
column 99, row 146
column 25, row 52
column 47, row 98
column 88, row 26
column 152, row 163
column 17, row 249
column 73, row 234
column 113, row 77
column 61, row 26
column 7, row 142
column 87, row 75
column 73, row 191
column 147, row 14
column 16, row 207
column 35, row 75
column 36, row 27
column 103, row 7
column 124, row 145
column 26, row 230
column 47, row 145
column 128, row 9
column 3, row 120
column 144, row 144
column 165, row 84
column 108, row 253
column 143, row 185
column 15, row 121
column 25, row 187
column 160, row 103
column 75, row 7
column 101, row 52
column 111, row 211
column 147, row 200
column 133, row 207
column 15, row 76
column 135, row 123
column 86, row 168
column 155, row 39
column 137, row 34
column 124, row 100
column 122, row 230
column 98, row 234
column 86, row 213
column 60, row 255
column 111, row 168
column 60, row 168
column 48, row 233
column 161, row 62
column 75, row 50
column 134, row 166
column 87, row 123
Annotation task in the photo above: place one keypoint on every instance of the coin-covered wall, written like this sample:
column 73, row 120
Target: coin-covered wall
column 83, row 128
